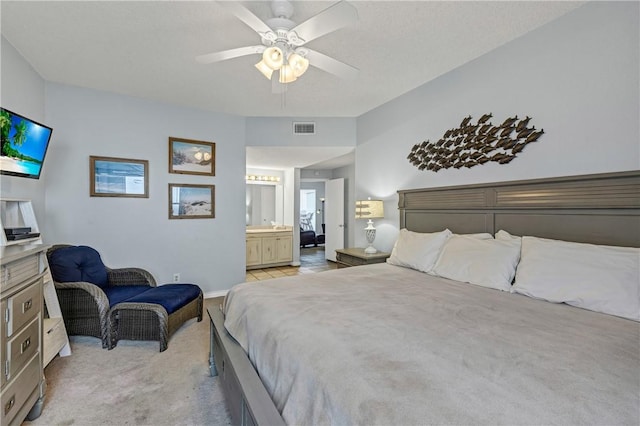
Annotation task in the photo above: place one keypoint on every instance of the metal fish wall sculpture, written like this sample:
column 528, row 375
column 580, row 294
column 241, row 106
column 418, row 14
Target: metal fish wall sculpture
column 472, row 144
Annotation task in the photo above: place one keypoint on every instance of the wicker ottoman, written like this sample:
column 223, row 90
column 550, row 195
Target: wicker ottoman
column 155, row 314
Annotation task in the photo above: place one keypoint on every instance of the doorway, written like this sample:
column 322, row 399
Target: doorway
column 308, row 210
column 312, row 254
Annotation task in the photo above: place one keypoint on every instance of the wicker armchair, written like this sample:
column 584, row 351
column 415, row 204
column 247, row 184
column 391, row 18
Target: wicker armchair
column 85, row 305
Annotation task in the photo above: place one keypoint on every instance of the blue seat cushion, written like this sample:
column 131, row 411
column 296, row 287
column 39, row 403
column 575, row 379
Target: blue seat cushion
column 171, row 296
column 77, row 263
column 120, row 293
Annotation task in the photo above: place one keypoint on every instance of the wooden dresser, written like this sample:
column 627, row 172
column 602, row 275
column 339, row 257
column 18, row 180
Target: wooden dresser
column 22, row 269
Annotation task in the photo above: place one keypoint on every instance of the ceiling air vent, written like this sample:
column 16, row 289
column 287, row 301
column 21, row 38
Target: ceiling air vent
column 307, row 128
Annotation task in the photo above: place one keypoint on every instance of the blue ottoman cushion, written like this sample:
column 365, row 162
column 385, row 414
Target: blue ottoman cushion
column 78, row 263
column 120, row 293
column 171, row 296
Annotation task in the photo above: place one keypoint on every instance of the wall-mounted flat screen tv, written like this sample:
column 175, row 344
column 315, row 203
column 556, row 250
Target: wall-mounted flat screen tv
column 23, row 145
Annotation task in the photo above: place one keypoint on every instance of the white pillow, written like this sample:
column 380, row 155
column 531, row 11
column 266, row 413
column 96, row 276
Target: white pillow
column 488, row 263
column 505, row 236
column 599, row 278
column 418, row 250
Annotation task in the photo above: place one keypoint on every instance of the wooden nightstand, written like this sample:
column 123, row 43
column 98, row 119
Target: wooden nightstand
column 356, row 256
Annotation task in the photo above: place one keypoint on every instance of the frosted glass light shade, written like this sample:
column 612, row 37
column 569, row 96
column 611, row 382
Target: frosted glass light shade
column 273, row 57
column 298, row 63
column 286, row 74
column 264, row 69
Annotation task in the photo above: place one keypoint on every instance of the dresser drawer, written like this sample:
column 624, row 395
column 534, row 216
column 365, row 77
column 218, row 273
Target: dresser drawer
column 13, row 273
column 22, row 272
column 23, row 306
column 350, row 260
column 54, row 337
column 3, row 343
column 19, row 391
column 21, row 348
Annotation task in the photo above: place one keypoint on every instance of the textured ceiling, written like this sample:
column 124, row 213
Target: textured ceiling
column 147, row 49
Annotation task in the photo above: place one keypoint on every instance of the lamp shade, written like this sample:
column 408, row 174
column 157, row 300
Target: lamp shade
column 286, row 74
column 273, row 57
column 369, row 209
column 298, row 63
column 264, row 69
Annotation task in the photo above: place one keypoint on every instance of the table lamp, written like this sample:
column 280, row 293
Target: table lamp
column 370, row 209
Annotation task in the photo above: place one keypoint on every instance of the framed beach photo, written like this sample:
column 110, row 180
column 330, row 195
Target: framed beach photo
column 192, row 157
column 191, row 201
column 118, row 177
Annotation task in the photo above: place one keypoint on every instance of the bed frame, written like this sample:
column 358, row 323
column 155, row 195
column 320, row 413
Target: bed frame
column 598, row 209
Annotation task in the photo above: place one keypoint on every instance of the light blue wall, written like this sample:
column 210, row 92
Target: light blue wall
column 129, row 232
column 137, row 231
column 23, row 91
column 274, row 131
column 578, row 77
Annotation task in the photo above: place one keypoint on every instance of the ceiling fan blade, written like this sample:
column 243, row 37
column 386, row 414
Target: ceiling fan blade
column 210, row 58
column 330, row 65
column 333, row 18
column 246, row 16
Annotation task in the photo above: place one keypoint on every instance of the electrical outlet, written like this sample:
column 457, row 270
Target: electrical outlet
column 176, row 278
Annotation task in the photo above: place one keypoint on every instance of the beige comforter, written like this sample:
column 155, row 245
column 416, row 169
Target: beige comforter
column 385, row 345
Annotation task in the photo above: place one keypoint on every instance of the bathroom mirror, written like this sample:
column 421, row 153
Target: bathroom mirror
column 264, row 203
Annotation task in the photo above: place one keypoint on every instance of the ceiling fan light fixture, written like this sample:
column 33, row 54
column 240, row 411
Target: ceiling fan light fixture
column 283, row 41
column 273, row 57
column 287, row 75
column 264, row 69
column 298, row 63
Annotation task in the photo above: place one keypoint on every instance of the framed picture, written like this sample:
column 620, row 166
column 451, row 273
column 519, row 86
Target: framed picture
column 191, row 201
column 118, row 177
column 192, row 157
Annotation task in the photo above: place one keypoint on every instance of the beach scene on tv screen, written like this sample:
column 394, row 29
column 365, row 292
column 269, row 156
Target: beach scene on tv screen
column 23, row 144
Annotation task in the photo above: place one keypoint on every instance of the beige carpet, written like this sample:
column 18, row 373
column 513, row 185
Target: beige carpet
column 134, row 384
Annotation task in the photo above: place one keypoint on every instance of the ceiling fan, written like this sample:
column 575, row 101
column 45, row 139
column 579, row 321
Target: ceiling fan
column 283, row 42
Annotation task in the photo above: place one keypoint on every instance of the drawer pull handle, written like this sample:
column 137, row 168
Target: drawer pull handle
column 27, row 305
column 9, row 405
column 25, row 345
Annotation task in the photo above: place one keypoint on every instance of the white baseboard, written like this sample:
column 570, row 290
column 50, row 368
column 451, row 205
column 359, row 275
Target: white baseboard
column 219, row 293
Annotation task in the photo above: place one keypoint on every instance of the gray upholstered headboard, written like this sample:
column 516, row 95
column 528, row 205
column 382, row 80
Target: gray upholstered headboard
column 598, row 209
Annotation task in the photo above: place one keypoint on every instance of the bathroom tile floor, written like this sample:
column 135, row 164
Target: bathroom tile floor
column 311, row 260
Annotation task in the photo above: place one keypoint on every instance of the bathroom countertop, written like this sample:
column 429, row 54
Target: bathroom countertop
column 268, row 229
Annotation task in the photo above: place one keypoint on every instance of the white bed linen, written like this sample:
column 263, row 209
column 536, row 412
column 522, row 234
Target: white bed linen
column 385, row 345
column 595, row 277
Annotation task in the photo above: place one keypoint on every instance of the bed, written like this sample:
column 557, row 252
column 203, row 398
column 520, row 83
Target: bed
column 384, row 344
